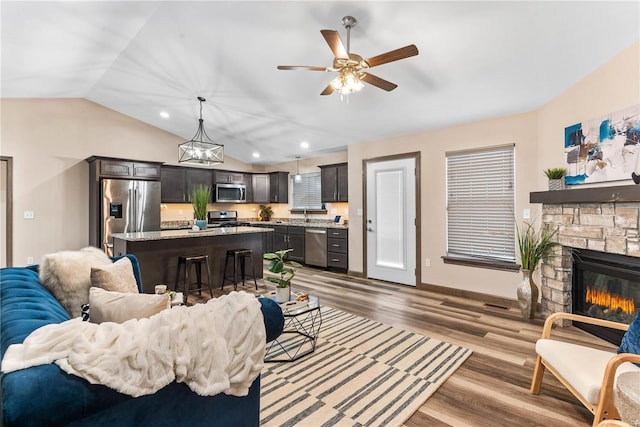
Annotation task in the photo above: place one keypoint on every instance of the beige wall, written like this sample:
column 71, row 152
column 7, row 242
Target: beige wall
column 538, row 137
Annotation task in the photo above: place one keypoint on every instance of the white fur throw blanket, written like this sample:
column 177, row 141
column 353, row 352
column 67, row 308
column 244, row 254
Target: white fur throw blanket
column 214, row 347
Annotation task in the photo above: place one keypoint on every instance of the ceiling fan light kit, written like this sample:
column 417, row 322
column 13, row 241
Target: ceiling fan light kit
column 201, row 150
column 352, row 68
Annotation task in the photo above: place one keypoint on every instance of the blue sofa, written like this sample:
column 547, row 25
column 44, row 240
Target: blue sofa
column 47, row 396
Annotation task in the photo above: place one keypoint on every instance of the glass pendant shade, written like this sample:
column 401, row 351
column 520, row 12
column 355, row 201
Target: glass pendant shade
column 347, row 82
column 201, row 150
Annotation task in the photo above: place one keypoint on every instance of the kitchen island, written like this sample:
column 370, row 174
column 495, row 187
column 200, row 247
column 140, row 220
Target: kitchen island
column 158, row 251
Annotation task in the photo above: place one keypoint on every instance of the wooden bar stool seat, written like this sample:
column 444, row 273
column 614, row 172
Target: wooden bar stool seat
column 198, row 261
column 238, row 257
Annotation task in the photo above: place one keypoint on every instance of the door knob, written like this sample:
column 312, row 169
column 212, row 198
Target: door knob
column 369, row 229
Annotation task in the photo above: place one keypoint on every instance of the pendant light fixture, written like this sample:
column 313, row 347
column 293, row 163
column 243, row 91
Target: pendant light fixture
column 297, row 177
column 201, row 150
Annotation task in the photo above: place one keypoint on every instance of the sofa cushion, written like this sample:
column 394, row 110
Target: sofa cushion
column 583, row 367
column 631, row 339
column 25, row 306
column 117, row 277
column 67, row 275
column 118, row 307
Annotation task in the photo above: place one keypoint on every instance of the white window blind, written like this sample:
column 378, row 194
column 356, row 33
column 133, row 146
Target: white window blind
column 306, row 193
column 480, row 204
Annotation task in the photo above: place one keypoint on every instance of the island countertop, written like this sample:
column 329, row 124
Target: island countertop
column 185, row 234
column 158, row 252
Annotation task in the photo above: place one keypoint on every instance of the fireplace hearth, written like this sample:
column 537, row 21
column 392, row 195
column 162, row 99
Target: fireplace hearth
column 605, row 286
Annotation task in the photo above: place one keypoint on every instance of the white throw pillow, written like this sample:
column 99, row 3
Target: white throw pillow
column 67, row 275
column 117, row 277
column 118, row 307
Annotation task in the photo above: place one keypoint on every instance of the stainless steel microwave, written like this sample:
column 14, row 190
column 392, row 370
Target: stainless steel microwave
column 231, row 193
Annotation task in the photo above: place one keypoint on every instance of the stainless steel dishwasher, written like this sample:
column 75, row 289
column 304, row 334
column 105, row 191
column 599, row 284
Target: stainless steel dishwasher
column 315, row 247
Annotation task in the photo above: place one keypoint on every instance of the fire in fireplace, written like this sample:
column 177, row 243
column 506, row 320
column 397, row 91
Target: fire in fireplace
column 605, row 286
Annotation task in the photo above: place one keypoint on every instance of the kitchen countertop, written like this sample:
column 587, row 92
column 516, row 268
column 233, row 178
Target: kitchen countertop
column 302, row 223
column 185, row 234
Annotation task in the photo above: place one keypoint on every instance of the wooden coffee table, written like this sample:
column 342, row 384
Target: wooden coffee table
column 301, row 328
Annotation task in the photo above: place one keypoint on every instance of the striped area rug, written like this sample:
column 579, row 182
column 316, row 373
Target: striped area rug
column 362, row 373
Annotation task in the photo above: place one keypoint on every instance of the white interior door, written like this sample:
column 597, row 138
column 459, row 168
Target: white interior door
column 391, row 221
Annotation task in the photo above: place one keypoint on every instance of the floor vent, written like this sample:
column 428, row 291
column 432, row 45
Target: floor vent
column 501, row 307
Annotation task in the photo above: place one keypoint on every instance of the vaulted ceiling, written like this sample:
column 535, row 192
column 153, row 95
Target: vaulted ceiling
column 477, row 60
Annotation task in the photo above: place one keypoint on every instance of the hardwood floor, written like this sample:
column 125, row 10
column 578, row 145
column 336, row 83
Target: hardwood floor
column 492, row 387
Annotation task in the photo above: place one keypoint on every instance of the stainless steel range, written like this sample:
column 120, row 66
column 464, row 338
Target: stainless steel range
column 224, row 219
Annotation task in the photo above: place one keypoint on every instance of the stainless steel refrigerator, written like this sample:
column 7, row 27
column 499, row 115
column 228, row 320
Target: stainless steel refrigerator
column 128, row 206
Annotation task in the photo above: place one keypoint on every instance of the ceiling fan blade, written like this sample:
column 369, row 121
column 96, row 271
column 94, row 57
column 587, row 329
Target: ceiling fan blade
column 378, row 82
column 327, row 90
column 302, row 67
column 335, row 43
column 394, row 55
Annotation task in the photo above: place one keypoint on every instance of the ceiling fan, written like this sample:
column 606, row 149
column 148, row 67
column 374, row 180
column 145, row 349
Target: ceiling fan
column 352, row 68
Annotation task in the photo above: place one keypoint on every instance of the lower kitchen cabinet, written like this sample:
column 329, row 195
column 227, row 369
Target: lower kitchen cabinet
column 338, row 248
column 267, row 239
column 289, row 237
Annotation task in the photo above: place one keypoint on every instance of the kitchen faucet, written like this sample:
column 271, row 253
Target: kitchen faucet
column 305, row 215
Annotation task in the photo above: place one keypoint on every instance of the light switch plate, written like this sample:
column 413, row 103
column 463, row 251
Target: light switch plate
column 526, row 213
column 29, row 215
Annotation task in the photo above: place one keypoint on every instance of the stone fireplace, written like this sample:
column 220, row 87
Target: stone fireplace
column 602, row 219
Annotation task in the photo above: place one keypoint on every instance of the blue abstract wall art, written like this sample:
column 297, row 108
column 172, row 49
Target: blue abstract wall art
column 603, row 149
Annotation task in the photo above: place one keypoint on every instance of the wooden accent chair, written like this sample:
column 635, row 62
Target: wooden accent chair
column 587, row 372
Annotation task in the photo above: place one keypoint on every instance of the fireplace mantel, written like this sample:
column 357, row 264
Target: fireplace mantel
column 620, row 194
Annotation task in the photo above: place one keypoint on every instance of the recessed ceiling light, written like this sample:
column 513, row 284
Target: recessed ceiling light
column 304, row 144
column 164, row 115
column 256, row 155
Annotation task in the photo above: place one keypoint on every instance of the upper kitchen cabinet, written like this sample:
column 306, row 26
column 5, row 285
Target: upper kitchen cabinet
column 279, row 187
column 228, row 177
column 173, row 181
column 178, row 182
column 107, row 167
column 334, row 182
column 199, row 177
column 260, row 185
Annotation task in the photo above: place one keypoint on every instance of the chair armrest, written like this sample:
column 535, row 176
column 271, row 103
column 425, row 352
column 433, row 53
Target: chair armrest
column 610, row 371
column 548, row 324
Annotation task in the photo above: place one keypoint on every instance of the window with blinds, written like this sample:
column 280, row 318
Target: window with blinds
column 480, row 204
column 306, row 193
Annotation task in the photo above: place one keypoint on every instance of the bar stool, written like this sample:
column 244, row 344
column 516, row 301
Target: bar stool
column 238, row 256
column 187, row 262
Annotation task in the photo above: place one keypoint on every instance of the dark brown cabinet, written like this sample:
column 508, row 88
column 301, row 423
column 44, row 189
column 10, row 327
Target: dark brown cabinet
column 173, row 185
column 267, row 238
column 227, row 177
column 289, row 237
column 279, row 187
column 178, row 183
column 199, row 177
column 338, row 248
column 260, row 188
column 106, row 167
column 334, row 183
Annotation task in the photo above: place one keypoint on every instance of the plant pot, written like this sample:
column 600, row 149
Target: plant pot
column 556, row 184
column 527, row 295
column 283, row 294
column 201, row 223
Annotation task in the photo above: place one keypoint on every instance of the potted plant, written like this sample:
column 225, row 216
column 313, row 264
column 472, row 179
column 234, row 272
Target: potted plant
column 199, row 199
column 265, row 213
column 286, row 270
column 533, row 246
column 556, row 178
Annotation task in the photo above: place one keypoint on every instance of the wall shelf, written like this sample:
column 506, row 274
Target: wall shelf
column 619, row 194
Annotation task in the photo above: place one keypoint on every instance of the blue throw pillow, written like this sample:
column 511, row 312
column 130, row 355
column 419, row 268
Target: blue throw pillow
column 631, row 339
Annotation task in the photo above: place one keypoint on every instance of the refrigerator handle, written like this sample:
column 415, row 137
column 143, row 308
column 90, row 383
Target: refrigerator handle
column 132, row 211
